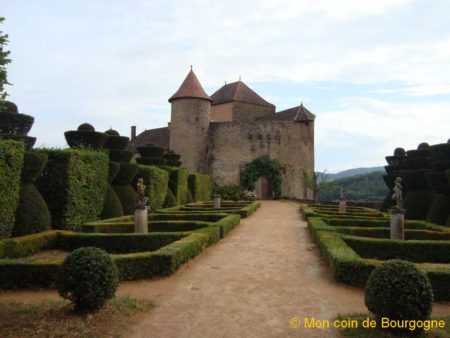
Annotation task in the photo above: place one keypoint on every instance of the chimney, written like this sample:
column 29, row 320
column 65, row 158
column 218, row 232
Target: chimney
column 133, row 132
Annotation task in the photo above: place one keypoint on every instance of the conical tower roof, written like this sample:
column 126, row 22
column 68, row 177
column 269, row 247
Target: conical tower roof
column 190, row 88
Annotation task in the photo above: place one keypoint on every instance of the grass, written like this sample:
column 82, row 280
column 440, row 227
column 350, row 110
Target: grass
column 361, row 332
column 57, row 319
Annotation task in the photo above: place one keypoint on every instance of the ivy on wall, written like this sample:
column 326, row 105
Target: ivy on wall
column 263, row 166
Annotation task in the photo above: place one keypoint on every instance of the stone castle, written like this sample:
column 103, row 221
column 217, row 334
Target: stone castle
column 219, row 134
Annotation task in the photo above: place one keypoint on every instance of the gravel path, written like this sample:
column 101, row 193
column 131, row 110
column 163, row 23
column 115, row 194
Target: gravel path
column 250, row 284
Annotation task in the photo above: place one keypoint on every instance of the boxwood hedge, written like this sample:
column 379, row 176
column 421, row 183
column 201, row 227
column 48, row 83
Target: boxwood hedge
column 178, row 183
column 156, row 181
column 11, row 161
column 74, row 185
column 200, row 187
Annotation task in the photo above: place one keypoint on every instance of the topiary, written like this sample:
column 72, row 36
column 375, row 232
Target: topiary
column 170, row 200
column 86, row 127
column 112, row 207
column 399, row 152
column 9, row 107
column 399, row 291
column 189, row 198
column 423, row 146
column 88, row 278
column 116, row 142
column 112, row 132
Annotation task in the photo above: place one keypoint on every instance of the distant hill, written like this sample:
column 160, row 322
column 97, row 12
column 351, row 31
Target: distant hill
column 364, row 187
column 353, row 172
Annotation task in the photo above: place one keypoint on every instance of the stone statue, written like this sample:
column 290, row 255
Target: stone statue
column 398, row 193
column 141, row 200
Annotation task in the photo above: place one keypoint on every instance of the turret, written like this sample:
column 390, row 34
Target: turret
column 189, row 123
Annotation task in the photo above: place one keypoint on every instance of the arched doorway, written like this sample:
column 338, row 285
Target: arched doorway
column 264, row 175
column 263, row 189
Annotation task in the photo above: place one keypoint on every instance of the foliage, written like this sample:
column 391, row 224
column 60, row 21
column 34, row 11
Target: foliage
column 88, row 278
column 178, row 183
column 11, row 161
column 189, row 198
column 172, row 159
column 77, row 139
column 200, row 186
column 263, row 166
column 229, row 192
column 120, row 155
column 169, row 200
column 399, row 291
column 360, row 187
column 74, row 184
column 126, row 174
column 112, row 206
column 318, row 182
column 15, row 124
column 86, row 127
column 116, row 142
column 156, row 181
column 249, row 195
column 4, row 60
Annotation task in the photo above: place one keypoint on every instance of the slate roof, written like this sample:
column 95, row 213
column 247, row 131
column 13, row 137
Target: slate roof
column 190, row 88
column 238, row 92
column 158, row 136
column 299, row 114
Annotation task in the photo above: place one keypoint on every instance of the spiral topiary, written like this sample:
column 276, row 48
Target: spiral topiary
column 112, row 207
column 170, row 200
column 88, row 278
column 399, row 291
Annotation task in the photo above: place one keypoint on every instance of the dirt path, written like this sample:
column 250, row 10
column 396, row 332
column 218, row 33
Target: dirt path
column 250, row 284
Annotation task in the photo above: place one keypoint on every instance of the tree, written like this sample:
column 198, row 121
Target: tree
column 318, row 182
column 4, row 60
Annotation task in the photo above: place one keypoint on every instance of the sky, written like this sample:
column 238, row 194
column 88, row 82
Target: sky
column 375, row 73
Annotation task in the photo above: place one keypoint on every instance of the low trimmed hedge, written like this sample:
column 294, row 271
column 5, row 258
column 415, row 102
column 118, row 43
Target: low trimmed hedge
column 26, row 273
column 74, row 186
column 244, row 210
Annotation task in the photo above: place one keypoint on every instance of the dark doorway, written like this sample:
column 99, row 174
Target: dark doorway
column 263, row 189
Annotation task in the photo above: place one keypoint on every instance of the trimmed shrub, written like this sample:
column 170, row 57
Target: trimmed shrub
column 88, row 278
column 178, row 184
column 15, row 123
column 150, row 155
column 169, row 200
column 32, row 213
column 172, row 159
column 399, row 291
column 230, row 192
column 112, row 207
column 156, row 181
column 11, row 161
column 86, row 127
column 150, row 161
column 189, row 198
column 200, row 187
column 77, row 139
column 115, row 141
column 74, row 185
column 122, row 186
column 120, row 155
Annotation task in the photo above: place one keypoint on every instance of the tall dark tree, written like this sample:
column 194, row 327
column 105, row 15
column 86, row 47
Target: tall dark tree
column 4, row 60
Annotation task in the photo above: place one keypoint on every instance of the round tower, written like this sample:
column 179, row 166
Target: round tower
column 189, row 123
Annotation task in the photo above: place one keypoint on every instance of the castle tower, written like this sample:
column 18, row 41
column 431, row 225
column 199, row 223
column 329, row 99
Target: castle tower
column 189, row 123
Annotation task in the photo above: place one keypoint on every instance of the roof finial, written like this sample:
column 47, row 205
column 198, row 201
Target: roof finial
column 191, row 67
column 301, row 103
column 239, row 78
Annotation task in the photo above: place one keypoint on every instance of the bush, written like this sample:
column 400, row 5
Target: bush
column 85, row 139
column 32, row 213
column 123, row 188
column 120, row 155
column 112, row 207
column 230, row 192
column 157, row 181
column 15, row 124
column 200, row 187
column 74, row 185
column 178, row 184
column 399, row 291
column 170, row 200
column 189, row 198
column 88, row 278
column 172, row 159
column 11, row 161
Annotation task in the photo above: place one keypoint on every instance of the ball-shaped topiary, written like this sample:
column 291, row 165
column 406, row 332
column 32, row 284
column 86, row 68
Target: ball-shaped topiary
column 88, row 278
column 423, row 146
column 399, row 152
column 112, row 132
column 9, row 107
column 86, row 127
column 398, row 290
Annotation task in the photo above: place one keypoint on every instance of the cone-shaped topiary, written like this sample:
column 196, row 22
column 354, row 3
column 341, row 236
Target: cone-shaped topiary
column 88, row 278
column 32, row 213
column 170, row 200
column 112, row 207
column 85, row 137
column 399, row 291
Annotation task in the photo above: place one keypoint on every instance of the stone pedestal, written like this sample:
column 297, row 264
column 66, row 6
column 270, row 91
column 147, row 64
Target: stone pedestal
column 141, row 221
column 342, row 206
column 397, row 218
column 217, row 201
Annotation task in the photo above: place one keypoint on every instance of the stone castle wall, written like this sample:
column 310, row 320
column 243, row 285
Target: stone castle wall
column 231, row 145
column 250, row 112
